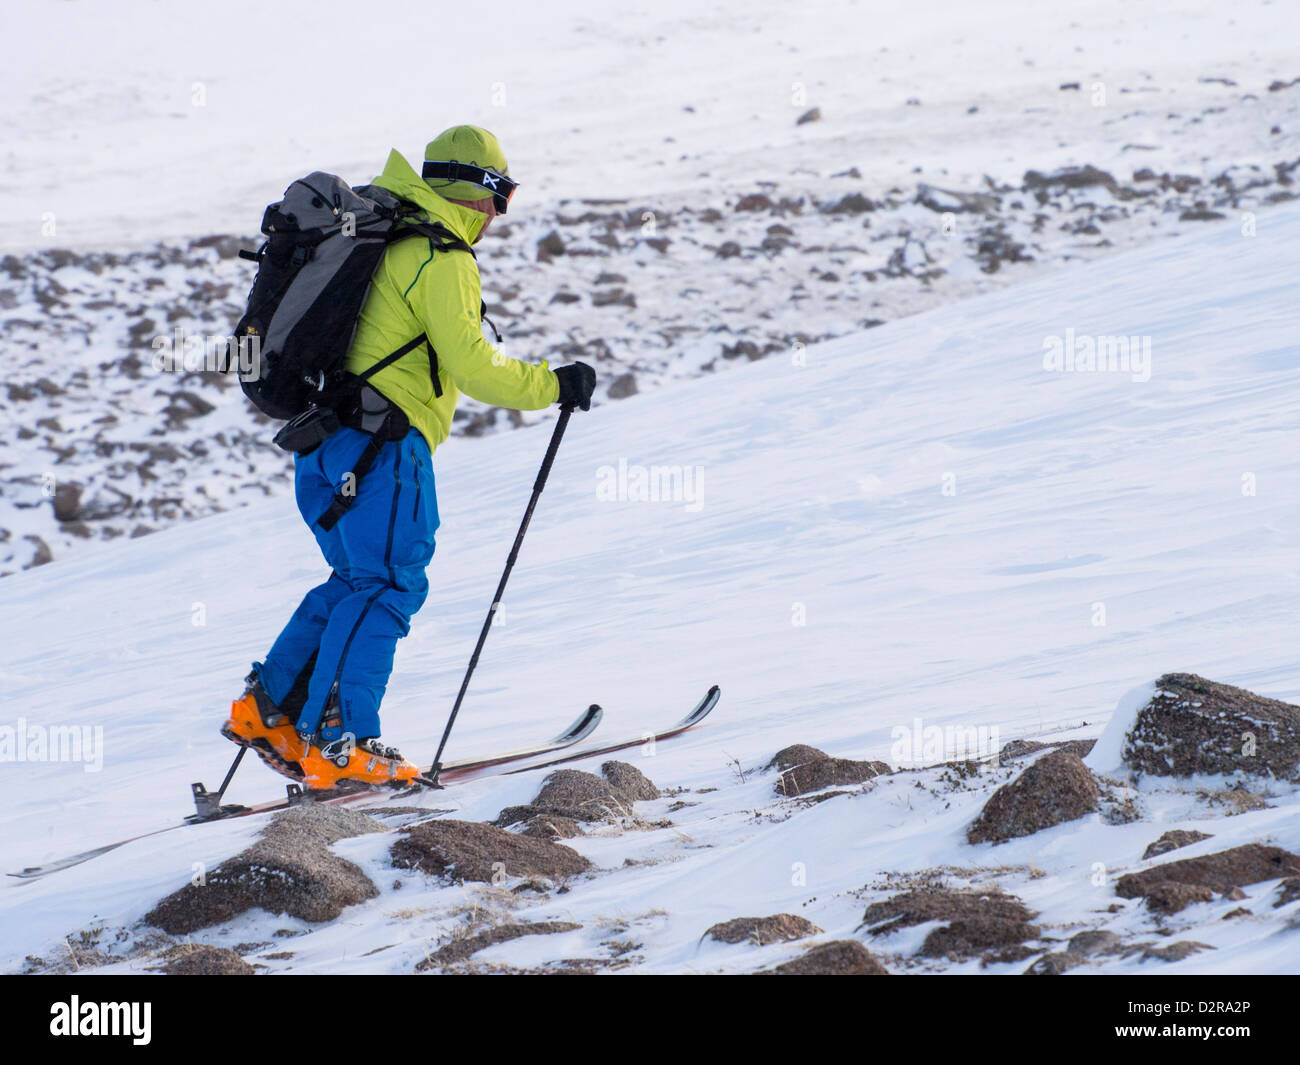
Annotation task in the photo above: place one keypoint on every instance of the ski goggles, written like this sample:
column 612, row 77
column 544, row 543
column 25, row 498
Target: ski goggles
column 500, row 186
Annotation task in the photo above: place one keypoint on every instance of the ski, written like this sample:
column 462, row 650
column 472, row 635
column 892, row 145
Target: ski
column 210, row 809
column 583, row 727
column 460, row 770
column 690, row 721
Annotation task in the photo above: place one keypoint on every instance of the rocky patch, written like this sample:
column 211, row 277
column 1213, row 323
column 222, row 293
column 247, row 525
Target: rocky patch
column 464, row 851
column 1056, row 788
column 779, row 928
column 1171, row 886
column 975, row 921
column 795, row 755
column 840, row 957
column 576, row 796
column 1172, row 840
column 1054, row 964
column 1094, row 941
column 1174, row 951
column 1023, row 748
column 806, row 769
column 290, row 869
column 793, row 261
column 1196, row 726
column 461, row 950
column 196, row 960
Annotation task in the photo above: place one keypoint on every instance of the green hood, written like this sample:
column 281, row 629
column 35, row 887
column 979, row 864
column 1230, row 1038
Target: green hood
column 400, row 178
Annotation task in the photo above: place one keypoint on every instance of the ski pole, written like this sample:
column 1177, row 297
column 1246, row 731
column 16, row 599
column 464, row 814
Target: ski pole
column 538, row 485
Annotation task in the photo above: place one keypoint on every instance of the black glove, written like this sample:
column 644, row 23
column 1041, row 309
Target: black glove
column 577, row 383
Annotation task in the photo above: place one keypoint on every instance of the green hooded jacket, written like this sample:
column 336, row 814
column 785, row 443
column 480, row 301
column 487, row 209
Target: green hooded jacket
column 417, row 290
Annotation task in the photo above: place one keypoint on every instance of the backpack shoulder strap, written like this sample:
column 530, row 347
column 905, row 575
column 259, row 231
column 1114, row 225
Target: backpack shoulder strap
column 440, row 237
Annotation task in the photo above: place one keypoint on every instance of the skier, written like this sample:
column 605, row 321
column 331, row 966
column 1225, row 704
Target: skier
column 311, row 707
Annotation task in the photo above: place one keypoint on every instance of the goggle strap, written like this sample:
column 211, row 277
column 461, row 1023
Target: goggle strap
column 499, row 185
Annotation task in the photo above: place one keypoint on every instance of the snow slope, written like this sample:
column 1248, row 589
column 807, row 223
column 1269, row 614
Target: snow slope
column 701, row 223
column 920, row 521
column 139, row 119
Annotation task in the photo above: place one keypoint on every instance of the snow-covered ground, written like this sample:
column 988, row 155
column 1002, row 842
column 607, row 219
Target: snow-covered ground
column 701, row 222
column 144, row 119
column 920, row 521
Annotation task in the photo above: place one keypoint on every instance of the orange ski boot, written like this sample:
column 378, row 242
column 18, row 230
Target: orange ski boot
column 364, row 761
column 255, row 722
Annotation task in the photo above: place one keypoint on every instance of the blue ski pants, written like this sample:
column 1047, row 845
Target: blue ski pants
column 341, row 639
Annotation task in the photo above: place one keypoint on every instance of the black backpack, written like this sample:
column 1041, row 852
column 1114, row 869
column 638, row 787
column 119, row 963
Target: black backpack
column 324, row 243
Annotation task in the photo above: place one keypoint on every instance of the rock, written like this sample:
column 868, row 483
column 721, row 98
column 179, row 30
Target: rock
column 1238, row 867
column 1055, row 789
column 1196, row 726
column 566, row 297
column 1170, row 897
column 1240, row 911
column 469, row 851
column 840, row 957
column 853, row 203
column 1054, row 964
column 613, row 297
column 197, row 960
column 755, row 202
column 995, row 246
column 226, row 246
column 1023, row 748
column 1200, row 213
column 460, row 950
column 67, row 500
column 747, row 348
column 945, row 200
column 182, row 406
column 608, row 278
column 976, row 921
column 583, row 796
column 779, row 928
column 1175, row 951
column 550, row 247
column 622, row 386
column 728, row 250
column 290, row 869
column 1007, row 955
column 974, row 934
column 825, row 772
column 812, row 115
column 794, row 755
column 629, row 782
column 41, row 553
column 1172, row 840
column 1287, row 891
column 551, row 826
column 1070, row 177
column 1095, row 941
